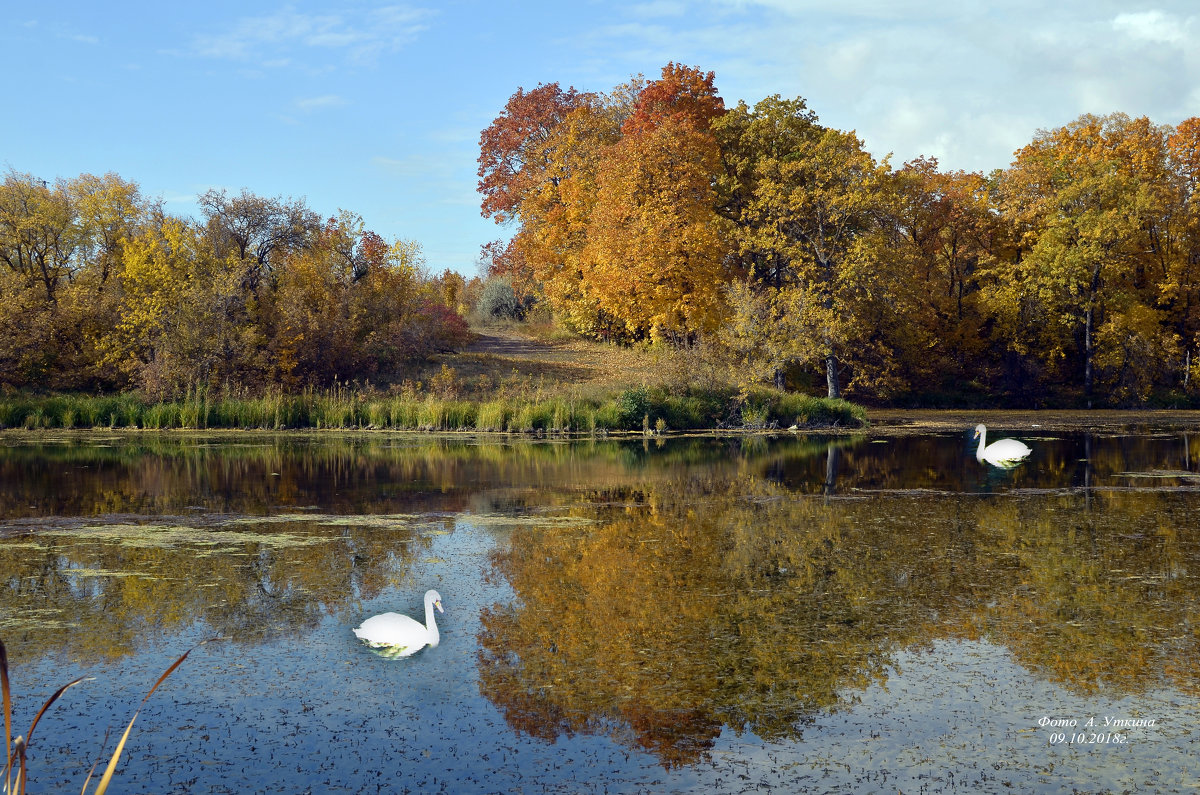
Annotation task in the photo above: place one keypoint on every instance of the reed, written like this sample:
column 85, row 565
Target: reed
column 343, row 407
column 16, row 750
column 404, row 414
column 806, row 410
column 755, row 415
column 461, row 415
column 493, row 416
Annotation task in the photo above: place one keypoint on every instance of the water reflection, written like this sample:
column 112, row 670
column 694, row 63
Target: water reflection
column 735, row 602
column 715, row 600
column 662, row 593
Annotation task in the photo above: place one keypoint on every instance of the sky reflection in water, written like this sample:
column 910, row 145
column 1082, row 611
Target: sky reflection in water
column 694, row 614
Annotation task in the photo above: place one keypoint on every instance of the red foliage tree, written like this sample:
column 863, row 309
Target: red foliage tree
column 510, row 157
column 683, row 93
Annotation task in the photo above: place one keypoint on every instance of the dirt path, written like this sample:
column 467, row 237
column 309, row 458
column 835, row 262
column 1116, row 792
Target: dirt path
column 511, row 344
column 502, row 353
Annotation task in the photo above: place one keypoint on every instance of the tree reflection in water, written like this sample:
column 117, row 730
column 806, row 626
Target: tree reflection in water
column 705, row 585
column 724, row 599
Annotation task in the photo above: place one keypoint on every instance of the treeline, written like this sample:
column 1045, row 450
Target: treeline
column 101, row 290
column 762, row 238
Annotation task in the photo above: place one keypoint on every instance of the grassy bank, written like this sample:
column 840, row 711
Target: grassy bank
column 631, row 409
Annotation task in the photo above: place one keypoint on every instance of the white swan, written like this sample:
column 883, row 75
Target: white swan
column 400, row 636
column 1005, row 453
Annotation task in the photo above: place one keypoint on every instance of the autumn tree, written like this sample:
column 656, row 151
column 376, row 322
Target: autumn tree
column 110, row 211
column 949, row 231
column 547, row 256
column 656, row 241
column 175, row 330
column 502, row 259
column 658, row 247
column 451, row 288
column 512, row 154
column 542, row 164
column 38, row 232
column 774, row 129
column 1181, row 293
column 1087, row 206
column 816, row 211
column 99, row 288
column 351, row 305
column 256, row 230
column 400, row 315
column 308, row 317
column 59, row 244
column 683, row 94
column 761, row 335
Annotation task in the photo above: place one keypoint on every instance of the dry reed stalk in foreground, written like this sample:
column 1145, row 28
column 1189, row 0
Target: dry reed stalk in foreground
column 16, row 768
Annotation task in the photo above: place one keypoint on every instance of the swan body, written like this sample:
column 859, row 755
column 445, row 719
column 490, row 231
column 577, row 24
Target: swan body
column 401, row 636
column 1005, row 453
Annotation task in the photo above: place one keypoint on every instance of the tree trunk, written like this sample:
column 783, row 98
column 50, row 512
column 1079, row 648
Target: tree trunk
column 831, row 375
column 1087, row 356
column 1087, row 332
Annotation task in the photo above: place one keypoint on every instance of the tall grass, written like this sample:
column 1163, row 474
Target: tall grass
column 345, row 408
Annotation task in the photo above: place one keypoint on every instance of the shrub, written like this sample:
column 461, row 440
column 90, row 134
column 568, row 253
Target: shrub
column 498, row 301
column 632, row 406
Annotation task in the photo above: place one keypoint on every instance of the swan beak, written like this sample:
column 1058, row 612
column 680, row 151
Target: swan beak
column 438, row 605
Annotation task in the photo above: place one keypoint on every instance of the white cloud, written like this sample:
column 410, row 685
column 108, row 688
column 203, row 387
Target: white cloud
column 310, row 104
column 413, row 166
column 659, row 8
column 967, row 82
column 269, row 38
column 847, row 60
column 1153, row 27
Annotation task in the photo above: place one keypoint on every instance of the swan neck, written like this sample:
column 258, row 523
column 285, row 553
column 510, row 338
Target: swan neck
column 982, row 443
column 431, row 625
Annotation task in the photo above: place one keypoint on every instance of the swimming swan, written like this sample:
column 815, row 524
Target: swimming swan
column 1005, row 453
column 400, row 635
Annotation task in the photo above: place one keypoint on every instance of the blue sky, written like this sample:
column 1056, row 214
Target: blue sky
column 377, row 107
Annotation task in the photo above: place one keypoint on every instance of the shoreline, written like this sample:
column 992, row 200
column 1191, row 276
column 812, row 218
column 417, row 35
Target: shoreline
column 881, row 422
column 899, row 421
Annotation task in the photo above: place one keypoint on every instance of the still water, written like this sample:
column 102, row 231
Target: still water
column 742, row 614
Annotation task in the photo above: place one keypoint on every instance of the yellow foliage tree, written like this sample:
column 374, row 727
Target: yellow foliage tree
column 818, row 208
column 175, row 330
column 1088, row 202
column 659, row 250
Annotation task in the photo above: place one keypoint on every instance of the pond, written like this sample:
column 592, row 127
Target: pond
column 872, row 612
